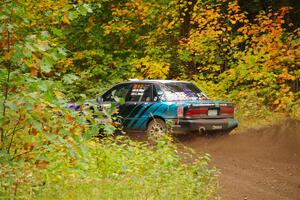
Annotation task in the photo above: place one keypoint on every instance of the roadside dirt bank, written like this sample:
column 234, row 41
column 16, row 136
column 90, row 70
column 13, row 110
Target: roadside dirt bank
column 255, row 164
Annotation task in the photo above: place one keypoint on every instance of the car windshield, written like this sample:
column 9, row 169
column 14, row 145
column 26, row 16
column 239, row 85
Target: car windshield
column 179, row 91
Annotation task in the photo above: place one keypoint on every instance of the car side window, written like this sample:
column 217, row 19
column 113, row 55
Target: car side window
column 120, row 91
column 140, row 92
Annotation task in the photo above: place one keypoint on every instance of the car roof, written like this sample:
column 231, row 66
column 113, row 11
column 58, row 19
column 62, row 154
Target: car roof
column 155, row 81
column 146, row 81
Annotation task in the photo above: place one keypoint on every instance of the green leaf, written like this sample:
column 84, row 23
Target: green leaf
column 88, row 8
column 5, row 158
column 1, row 28
column 45, row 65
column 44, row 35
column 82, row 10
column 62, row 51
column 185, row 56
column 29, row 47
column 69, row 78
column 83, row 149
column 43, row 85
column 56, row 32
column 73, row 15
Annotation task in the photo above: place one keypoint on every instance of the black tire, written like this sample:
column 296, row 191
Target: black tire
column 156, row 128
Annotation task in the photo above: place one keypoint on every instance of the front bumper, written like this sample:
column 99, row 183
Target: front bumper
column 206, row 124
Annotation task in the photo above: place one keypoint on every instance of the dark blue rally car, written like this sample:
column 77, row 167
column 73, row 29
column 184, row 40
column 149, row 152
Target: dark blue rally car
column 150, row 105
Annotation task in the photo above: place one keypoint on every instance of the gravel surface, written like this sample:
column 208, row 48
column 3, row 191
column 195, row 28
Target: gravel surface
column 257, row 163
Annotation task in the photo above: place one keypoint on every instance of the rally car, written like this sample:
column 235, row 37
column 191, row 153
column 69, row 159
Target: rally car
column 153, row 106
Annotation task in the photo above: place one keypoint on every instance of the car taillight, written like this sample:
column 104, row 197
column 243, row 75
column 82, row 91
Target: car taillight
column 196, row 112
column 227, row 110
column 180, row 112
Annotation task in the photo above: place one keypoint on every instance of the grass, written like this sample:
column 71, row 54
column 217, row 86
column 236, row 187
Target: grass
column 137, row 187
column 114, row 169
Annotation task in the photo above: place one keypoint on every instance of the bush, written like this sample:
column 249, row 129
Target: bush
column 115, row 168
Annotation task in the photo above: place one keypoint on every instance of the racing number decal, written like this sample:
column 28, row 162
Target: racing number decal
column 137, row 90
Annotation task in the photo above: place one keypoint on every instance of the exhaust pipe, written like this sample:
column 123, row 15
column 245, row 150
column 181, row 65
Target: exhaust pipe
column 202, row 130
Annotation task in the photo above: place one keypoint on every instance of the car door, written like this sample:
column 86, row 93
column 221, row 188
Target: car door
column 137, row 105
column 116, row 95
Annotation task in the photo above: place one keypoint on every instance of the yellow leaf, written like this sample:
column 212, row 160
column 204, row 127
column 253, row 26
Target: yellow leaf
column 66, row 19
column 7, row 56
column 90, row 25
column 58, row 94
column 276, row 102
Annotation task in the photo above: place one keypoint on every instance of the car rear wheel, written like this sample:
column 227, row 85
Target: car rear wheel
column 156, row 128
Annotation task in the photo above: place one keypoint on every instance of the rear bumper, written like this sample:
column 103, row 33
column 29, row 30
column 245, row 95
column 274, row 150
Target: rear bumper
column 194, row 125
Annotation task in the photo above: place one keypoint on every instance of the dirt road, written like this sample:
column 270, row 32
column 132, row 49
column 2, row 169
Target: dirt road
column 256, row 164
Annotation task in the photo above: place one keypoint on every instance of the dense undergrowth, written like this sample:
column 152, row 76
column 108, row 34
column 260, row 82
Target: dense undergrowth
column 110, row 171
column 115, row 168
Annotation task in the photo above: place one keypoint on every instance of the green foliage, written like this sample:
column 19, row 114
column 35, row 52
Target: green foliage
column 115, row 168
column 94, row 44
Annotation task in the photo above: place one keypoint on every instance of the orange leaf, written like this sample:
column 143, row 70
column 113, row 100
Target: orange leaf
column 69, row 118
column 41, row 164
column 33, row 70
column 34, row 131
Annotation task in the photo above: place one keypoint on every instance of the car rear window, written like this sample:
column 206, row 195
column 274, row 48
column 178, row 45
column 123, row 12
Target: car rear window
column 180, row 91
